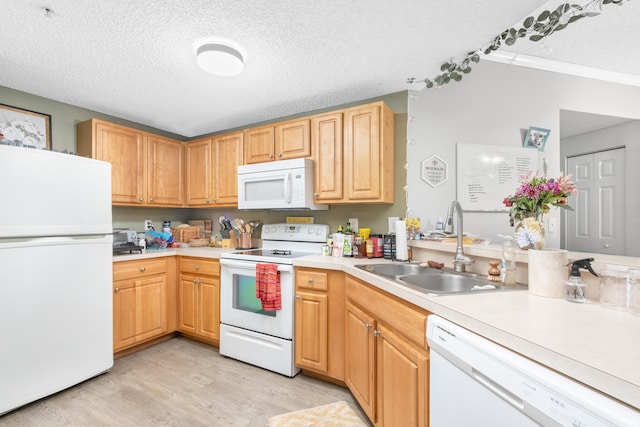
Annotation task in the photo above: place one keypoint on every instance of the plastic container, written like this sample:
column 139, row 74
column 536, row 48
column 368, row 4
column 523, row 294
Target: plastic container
column 508, row 266
column 157, row 240
column 389, row 246
column 633, row 291
column 613, row 289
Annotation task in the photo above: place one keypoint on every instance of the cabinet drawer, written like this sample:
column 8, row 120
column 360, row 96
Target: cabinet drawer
column 307, row 279
column 207, row 267
column 139, row 268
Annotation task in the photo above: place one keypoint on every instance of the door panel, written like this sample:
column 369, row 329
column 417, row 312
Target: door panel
column 597, row 225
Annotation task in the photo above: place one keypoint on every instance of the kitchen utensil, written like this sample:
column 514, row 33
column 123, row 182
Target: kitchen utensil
column 247, row 228
column 237, row 224
column 255, row 223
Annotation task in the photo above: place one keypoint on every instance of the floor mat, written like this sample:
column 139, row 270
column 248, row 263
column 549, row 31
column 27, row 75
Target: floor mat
column 337, row 414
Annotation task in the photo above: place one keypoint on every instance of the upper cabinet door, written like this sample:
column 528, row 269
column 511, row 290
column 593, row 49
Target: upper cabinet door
column 124, row 148
column 326, row 151
column 259, row 145
column 198, row 166
column 165, row 163
column 368, row 153
column 293, row 139
column 228, row 154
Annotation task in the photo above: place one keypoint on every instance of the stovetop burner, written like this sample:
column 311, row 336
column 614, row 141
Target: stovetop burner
column 281, row 252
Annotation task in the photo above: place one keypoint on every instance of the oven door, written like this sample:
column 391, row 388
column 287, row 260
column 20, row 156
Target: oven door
column 239, row 306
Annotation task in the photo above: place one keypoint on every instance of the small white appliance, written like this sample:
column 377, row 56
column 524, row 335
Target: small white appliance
column 282, row 184
column 475, row 382
column 55, row 273
column 247, row 332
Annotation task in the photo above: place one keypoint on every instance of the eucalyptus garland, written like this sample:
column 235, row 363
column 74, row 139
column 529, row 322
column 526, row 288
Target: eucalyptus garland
column 534, row 28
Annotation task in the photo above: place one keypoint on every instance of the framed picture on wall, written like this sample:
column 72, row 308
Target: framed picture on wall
column 536, row 138
column 24, row 128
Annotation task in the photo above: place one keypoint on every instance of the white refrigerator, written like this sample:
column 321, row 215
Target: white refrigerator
column 56, row 251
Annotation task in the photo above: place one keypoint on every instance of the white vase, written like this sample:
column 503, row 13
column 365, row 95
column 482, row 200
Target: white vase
column 547, row 272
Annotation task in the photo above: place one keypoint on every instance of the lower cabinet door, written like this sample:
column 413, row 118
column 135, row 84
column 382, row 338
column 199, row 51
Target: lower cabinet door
column 209, row 308
column 360, row 355
column 188, row 300
column 312, row 330
column 403, row 378
column 139, row 310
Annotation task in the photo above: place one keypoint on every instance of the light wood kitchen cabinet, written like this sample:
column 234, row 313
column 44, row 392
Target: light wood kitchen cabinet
column 140, row 301
column 293, row 139
column 326, row 151
column 259, row 145
column 165, row 182
column 386, row 356
column 146, row 170
column 211, row 170
column 368, row 153
column 199, row 298
column 285, row 140
column 319, row 322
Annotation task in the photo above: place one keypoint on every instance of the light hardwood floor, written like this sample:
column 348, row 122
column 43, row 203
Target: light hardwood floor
column 179, row 382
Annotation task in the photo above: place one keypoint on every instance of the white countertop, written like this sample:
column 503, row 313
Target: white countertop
column 203, row 252
column 596, row 346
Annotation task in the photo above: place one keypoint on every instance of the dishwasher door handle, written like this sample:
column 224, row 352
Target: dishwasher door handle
column 498, row 389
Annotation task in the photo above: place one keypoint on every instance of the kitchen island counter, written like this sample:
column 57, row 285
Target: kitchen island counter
column 596, row 346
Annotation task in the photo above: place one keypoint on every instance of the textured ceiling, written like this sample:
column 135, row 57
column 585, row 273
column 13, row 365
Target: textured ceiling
column 135, row 59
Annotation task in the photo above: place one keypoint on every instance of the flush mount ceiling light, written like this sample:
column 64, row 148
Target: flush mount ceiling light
column 220, row 59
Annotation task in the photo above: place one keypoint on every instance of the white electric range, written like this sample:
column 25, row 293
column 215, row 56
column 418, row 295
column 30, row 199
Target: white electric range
column 248, row 332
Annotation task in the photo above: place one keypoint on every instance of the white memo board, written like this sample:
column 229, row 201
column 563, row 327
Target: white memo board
column 486, row 174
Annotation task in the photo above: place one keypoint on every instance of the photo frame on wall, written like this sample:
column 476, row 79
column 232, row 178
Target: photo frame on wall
column 536, row 138
column 24, row 128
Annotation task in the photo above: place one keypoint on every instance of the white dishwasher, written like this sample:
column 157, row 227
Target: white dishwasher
column 475, row 382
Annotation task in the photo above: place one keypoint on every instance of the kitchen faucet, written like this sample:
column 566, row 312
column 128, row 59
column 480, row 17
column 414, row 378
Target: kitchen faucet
column 461, row 260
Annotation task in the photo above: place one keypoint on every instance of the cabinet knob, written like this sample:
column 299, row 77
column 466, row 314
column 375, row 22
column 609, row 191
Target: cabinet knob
column 377, row 333
column 116, row 290
column 141, row 199
column 606, row 245
column 297, row 297
column 208, row 201
column 151, row 199
column 142, row 269
column 197, row 267
column 279, row 154
column 315, row 194
column 270, row 156
column 215, row 200
column 309, row 280
column 367, row 325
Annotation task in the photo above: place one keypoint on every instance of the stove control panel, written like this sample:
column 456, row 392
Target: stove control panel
column 295, row 232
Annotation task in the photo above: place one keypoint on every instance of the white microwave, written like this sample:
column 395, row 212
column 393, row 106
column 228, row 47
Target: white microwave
column 281, row 184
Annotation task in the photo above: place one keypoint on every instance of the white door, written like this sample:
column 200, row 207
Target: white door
column 597, row 223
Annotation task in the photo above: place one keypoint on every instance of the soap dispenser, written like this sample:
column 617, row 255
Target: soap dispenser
column 574, row 288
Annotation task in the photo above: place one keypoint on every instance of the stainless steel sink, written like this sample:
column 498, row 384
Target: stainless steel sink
column 433, row 281
column 395, row 270
column 448, row 283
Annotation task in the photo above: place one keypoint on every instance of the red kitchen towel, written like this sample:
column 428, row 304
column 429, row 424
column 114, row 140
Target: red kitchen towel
column 268, row 286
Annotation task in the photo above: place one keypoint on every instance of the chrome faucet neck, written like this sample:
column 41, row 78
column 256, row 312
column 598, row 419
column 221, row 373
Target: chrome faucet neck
column 461, row 260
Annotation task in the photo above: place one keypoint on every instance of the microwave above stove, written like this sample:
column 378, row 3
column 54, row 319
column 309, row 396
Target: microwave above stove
column 281, row 184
